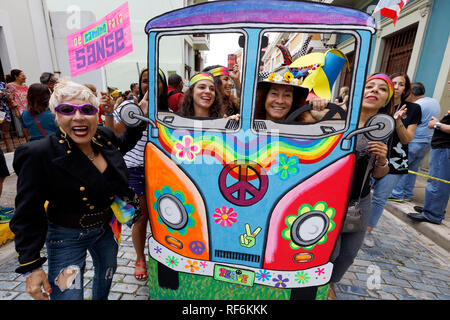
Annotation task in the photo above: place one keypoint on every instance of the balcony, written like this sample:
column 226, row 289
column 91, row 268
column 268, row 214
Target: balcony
column 200, row 41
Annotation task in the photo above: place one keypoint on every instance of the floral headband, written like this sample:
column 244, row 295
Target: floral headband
column 386, row 79
column 201, row 76
column 219, row 71
column 286, row 78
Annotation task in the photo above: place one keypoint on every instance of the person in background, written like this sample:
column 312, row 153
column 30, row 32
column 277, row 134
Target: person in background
column 6, row 213
column 407, row 116
column 38, row 118
column 175, row 92
column 48, row 79
column 69, row 188
column 420, row 145
column 342, row 100
column 5, row 123
column 437, row 192
column 18, row 98
column 134, row 87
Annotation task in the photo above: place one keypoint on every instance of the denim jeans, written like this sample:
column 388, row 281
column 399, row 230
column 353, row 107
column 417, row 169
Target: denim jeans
column 416, row 152
column 436, row 192
column 67, row 249
column 381, row 191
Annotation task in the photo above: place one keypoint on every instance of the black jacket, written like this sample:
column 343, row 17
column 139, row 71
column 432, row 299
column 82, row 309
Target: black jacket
column 54, row 170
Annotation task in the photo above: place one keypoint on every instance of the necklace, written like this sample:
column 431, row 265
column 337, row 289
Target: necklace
column 92, row 157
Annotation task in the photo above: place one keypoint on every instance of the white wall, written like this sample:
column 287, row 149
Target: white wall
column 22, row 46
column 124, row 71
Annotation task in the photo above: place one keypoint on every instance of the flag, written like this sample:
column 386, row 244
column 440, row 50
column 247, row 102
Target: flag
column 390, row 8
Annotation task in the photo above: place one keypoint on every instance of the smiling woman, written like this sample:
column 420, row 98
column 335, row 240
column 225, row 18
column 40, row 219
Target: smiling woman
column 202, row 98
column 80, row 174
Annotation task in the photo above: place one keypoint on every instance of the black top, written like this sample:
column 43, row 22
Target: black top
column 53, row 169
column 398, row 152
column 363, row 157
column 441, row 140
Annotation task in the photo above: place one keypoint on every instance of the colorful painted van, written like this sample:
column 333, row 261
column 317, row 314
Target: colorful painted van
column 250, row 209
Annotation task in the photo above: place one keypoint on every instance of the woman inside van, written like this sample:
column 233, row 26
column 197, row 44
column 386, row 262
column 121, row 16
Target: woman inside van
column 225, row 79
column 202, row 99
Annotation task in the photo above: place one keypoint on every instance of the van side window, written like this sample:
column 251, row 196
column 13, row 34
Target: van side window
column 297, row 87
column 204, row 72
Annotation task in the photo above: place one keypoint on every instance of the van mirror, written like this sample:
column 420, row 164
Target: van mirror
column 377, row 128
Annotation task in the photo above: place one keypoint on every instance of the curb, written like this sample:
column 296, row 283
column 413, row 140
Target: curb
column 440, row 234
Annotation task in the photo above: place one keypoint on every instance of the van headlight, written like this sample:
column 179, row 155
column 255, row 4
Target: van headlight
column 309, row 228
column 172, row 211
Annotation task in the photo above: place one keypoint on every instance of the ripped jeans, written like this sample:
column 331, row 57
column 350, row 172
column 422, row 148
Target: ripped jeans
column 67, row 249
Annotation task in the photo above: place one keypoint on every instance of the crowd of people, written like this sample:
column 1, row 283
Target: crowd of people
column 81, row 160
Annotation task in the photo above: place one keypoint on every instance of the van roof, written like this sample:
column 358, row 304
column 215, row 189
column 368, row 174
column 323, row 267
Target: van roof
column 261, row 12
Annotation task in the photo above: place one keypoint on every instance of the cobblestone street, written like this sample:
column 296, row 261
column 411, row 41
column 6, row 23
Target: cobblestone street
column 403, row 265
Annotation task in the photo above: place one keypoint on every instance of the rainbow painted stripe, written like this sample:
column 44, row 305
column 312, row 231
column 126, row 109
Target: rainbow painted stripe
column 228, row 148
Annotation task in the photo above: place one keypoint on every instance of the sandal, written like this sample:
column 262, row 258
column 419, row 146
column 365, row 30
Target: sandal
column 140, row 275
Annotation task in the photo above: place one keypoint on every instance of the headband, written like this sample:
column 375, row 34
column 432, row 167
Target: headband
column 201, row 76
column 219, row 71
column 386, row 79
column 161, row 74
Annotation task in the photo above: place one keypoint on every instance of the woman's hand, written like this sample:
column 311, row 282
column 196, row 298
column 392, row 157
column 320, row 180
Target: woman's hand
column 400, row 113
column 235, row 74
column 380, row 150
column 144, row 104
column 34, row 284
column 235, row 117
column 106, row 102
column 432, row 122
column 318, row 107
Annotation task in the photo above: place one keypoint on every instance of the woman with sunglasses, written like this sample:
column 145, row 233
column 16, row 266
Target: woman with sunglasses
column 68, row 187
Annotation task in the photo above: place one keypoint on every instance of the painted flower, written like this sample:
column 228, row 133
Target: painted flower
column 286, row 167
column 192, row 265
column 288, row 77
column 172, row 261
column 280, row 282
column 225, row 216
column 319, row 271
column 186, row 149
column 263, row 275
column 272, row 77
column 187, row 206
column 305, row 208
column 302, row 277
column 203, row 264
column 158, row 250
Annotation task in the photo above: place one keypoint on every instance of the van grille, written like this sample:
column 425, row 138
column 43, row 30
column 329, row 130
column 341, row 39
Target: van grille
column 237, row 256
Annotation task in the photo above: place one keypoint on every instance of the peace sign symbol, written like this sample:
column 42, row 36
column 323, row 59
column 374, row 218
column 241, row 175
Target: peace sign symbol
column 197, row 247
column 243, row 192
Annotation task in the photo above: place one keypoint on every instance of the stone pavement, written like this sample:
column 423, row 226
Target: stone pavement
column 405, row 264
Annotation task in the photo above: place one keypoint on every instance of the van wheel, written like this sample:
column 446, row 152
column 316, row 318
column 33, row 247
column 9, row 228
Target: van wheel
column 167, row 278
column 308, row 293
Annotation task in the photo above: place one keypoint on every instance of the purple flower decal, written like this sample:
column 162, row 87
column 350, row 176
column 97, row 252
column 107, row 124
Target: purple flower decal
column 280, row 282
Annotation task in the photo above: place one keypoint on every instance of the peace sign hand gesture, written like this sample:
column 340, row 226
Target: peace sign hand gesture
column 248, row 239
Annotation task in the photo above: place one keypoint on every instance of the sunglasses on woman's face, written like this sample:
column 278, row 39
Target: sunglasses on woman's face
column 69, row 109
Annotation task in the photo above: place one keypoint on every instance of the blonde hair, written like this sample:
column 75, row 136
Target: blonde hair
column 66, row 90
